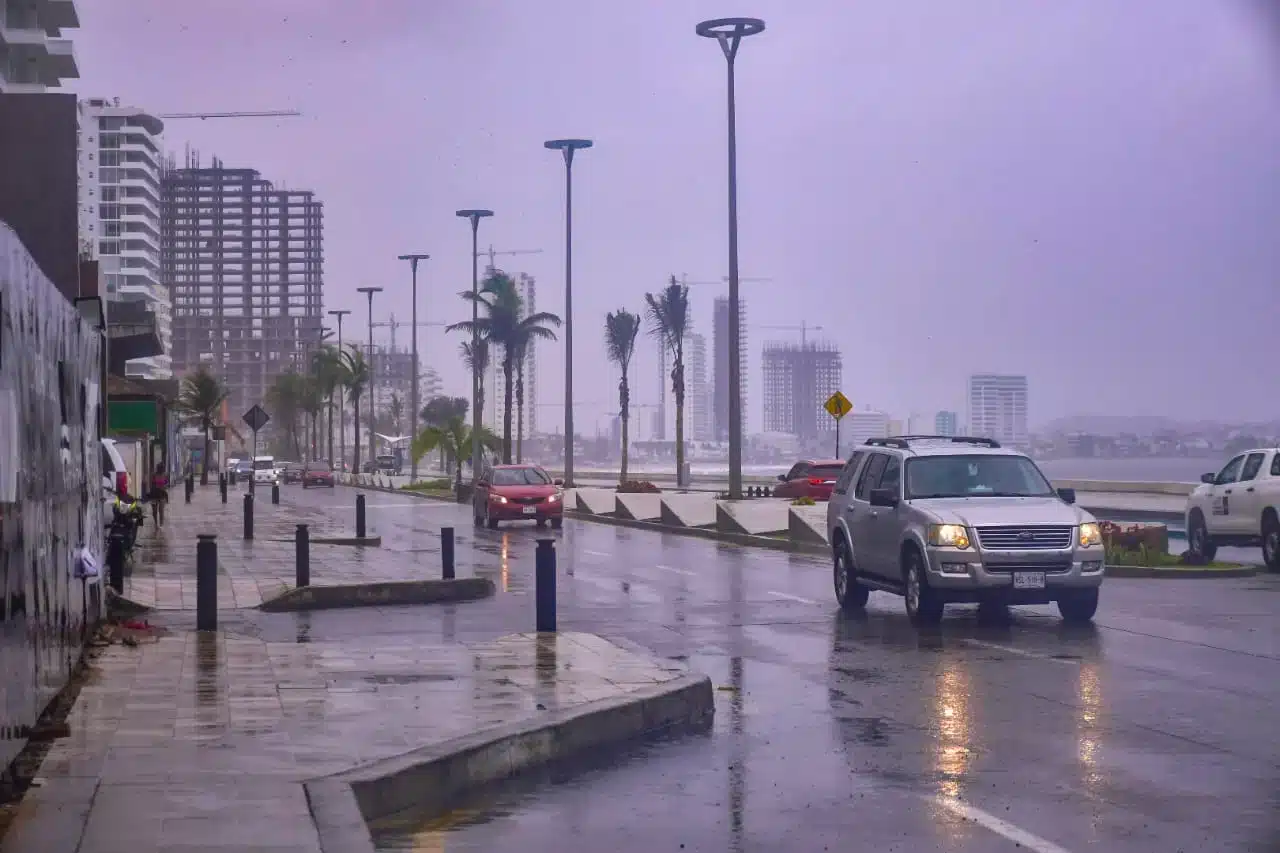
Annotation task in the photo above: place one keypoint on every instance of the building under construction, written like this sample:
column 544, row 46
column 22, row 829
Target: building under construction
column 798, row 379
column 244, row 261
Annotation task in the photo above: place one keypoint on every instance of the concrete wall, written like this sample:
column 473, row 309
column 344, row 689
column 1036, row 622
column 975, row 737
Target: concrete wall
column 50, row 487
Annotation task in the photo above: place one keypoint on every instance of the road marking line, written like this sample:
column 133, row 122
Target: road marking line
column 1000, row 827
column 684, row 572
column 789, row 597
column 596, row 553
column 422, row 504
column 1019, row 652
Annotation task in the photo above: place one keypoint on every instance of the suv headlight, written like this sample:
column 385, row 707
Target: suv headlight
column 948, row 536
column 1090, row 535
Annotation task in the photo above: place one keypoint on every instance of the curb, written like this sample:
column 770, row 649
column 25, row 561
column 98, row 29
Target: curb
column 702, row 533
column 433, row 777
column 381, row 594
column 1156, row 573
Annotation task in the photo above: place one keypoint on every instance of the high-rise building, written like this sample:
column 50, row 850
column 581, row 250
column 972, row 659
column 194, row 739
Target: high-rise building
column 34, row 57
column 696, row 393
column 720, row 377
column 946, row 423
column 857, row 426
column 798, row 379
column 529, row 304
column 120, row 165
column 244, row 261
column 998, row 408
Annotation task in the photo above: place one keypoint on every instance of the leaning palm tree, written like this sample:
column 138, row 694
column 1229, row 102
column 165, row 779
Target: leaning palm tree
column 620, row 330
column 314, row 402
column 200, row 400
column 453, row 439
column 328, row 369
column 526, row 332
column 355, row 380
column 477, row 361
column 669, row 323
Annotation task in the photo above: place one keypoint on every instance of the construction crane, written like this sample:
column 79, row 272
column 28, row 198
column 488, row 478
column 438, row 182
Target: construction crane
column 246, row 114
column 803, row 329
column 393, row 324
column 492, row 254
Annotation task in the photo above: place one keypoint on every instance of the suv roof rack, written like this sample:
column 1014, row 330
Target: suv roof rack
column 903, row 442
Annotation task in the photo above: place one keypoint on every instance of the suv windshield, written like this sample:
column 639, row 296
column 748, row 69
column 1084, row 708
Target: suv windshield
column 520, row 477
column 263, row 464
column 984, row 476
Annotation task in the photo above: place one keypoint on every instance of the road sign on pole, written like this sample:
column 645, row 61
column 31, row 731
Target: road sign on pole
column 838, row 406
column 256, row 418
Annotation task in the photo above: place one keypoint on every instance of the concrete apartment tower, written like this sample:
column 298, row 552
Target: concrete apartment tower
column 120, row 165
column 998, row 408
column 720, row 370
column 798, row 380
column 34, row 57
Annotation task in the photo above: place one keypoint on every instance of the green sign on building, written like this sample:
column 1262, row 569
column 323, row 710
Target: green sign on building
column 133, row 417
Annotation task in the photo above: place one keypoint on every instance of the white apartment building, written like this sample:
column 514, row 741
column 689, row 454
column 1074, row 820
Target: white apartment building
column 33, row 55
column 697, row 388
column 998, row 408
column 120, row 165
column 857, row 426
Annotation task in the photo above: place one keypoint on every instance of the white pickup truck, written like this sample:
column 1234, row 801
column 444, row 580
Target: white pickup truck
column 1240, row 505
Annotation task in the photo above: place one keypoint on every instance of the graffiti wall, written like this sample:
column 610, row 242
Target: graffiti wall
column 50, row 489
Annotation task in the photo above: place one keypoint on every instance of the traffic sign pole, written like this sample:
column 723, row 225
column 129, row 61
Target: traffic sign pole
column 256, row 418
column 838, row 406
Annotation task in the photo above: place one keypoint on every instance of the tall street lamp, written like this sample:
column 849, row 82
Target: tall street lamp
column 413, row 393
column 342, row 406
column 567, row 147
column 373, row 376
column 475, row 216
column 730, row 32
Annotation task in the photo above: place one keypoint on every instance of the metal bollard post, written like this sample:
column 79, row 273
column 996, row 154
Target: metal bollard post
column 359, row 516
column 115, row 564
column 188, row 487
column 222, row 487
column 302, row 561
column 446, row 551
column 275, row 493
column 248, row 516
column 206, row 582
column 544, row 594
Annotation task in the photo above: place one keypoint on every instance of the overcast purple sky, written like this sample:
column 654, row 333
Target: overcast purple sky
column 1085, row 192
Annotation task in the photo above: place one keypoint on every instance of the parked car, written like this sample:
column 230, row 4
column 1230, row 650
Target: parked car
column 940, row 519
column 809, row 478
column 317, row 474
column 1240, row 505
column 115, row 474
column 518, row 493
column 291, row 472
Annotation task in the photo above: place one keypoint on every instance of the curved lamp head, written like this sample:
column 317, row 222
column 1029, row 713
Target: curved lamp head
column 734, row 28
column 369, row 290
column 340, row 313
column 474, row 214
column 567, row 144
column 415, row 257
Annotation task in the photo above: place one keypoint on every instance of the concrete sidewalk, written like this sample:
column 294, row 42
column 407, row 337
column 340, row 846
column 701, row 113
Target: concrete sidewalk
column 202, row 741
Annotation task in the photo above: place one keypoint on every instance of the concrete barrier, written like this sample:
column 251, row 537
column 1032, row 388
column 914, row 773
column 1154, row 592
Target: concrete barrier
column 380, row 594
column 687, row 511
column 808, row 525
column 757, row 517
column 596, row 501
column 639, row 507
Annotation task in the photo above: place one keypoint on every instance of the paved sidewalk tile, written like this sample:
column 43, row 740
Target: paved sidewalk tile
column 202, row 740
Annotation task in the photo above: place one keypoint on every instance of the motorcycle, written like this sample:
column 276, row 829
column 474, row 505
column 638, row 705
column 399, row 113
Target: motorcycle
column 122, row 530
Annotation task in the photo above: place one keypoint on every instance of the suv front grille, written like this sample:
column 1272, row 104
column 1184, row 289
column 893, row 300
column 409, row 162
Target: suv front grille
column 1042, row 538
column 1051, row 567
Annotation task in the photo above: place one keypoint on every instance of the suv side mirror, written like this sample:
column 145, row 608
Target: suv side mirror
column 782, row 478
column 1208, row 478
column 884, row 497
column 1068, row 495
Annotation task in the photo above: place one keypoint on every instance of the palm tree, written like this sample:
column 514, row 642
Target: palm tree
column 453, row 439
column 314, row 402
column 328, row 369
column 200, row 400
column 620, row 330
column 287, row 398
column 477, row 362
column 503, row 325
column 669, row 318
column 395, row 409
column 355, row 380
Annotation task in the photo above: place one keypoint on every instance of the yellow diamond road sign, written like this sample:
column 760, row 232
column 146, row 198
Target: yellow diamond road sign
column 838, row 405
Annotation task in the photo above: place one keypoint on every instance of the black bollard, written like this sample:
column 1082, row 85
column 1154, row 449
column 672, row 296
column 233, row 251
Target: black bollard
column 222, row 487
column 446, row 551
column 248, row 515
column 115, row 563
column 544, row 593
column 233, row 476
column 302, row 562
column 206, row 582
column 359, row 516
column 275, row 493
column 187, row 487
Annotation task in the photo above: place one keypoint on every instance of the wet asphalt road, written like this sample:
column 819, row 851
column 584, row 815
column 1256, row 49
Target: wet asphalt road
column 1156, row 730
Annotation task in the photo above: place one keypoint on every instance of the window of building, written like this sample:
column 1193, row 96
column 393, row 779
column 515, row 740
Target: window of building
column 109, row 247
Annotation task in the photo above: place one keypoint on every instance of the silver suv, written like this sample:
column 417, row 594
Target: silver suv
column 939, row 519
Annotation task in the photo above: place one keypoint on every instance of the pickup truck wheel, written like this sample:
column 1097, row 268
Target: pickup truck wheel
column 1271, row 541
column 1079, row 605
column 1198, row 541
column 924, row 606
column 850, row 594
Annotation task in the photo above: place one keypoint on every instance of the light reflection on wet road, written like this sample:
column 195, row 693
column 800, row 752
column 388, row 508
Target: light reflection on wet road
column 1154, row 731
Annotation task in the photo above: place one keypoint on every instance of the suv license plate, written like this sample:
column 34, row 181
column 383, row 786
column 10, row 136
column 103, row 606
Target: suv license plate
column 533, row 510
column 1028, row 580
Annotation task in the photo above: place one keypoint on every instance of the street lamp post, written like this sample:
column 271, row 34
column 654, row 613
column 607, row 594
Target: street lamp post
column 373, row 376
column 342, row 406
column 567, row 147
column 475, row 215
column 413, row 392
column 730, row 32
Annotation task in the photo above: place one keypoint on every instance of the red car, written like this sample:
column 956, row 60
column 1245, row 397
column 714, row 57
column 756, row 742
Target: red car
column 809, row 478
column 516, row 493
column 317, row 474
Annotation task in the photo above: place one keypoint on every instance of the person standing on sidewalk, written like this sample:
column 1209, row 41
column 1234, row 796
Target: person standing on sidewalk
column 159, row 495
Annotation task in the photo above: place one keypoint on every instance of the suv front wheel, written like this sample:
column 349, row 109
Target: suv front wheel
column 1079, row 606
column 849, row 593
column 924, row 606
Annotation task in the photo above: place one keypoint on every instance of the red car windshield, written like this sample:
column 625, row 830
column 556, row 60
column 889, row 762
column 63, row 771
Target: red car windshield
column 519, row 477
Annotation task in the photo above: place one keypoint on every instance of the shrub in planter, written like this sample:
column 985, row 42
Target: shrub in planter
column 638, row 487
column 1135, row 537
column 805, row 501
